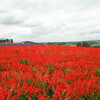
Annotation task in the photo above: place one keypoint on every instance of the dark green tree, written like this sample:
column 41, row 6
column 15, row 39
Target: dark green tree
column 7, row 40
column 85, row 44
column 78, row 44
column 11, row 40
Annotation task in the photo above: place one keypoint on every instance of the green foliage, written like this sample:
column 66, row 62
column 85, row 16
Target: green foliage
column 21, row 83
column 34, row 70
column 86, row 97
column 11, row 40
column 78, row 44
column 96, row 46
column 25, row 62
column 68, row 71
column 23, row 97
column 31, row 64
column 51, row 69
column 41, row 85
column 98, row 72
column 14, row 92
column 96, row 95
column 9, row 78
column 1, row 68
column 34, row 97
column 30, row 82
column 50, row 92
column 70, row 82
column 85, row 44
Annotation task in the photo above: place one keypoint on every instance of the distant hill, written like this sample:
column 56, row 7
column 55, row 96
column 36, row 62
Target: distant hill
column 29, row 42
column 71, row 43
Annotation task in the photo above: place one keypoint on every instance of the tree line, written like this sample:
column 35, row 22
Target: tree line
column 83, row 44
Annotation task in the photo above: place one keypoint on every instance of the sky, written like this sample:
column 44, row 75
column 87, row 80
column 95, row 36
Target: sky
column 50, row 20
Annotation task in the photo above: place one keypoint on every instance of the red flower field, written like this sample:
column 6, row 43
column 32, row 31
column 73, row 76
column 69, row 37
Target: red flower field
column 49, row 73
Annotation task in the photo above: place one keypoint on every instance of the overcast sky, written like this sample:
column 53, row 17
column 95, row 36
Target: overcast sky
column 50, row 20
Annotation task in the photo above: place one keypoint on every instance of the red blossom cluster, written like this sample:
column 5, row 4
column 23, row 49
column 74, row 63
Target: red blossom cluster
column 49, row 73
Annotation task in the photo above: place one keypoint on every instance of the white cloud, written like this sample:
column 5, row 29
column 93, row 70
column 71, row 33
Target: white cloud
column 46, row 20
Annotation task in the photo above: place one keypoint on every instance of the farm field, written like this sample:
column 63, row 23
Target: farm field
column 49, row 73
